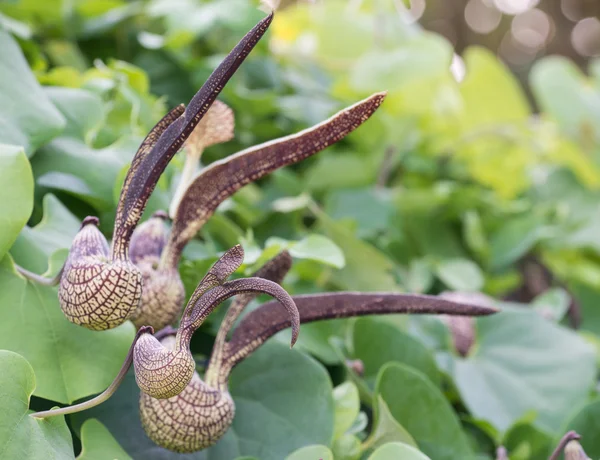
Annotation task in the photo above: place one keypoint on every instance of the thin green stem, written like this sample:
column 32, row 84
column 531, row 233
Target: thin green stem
column 39, row 279
column 106, row 393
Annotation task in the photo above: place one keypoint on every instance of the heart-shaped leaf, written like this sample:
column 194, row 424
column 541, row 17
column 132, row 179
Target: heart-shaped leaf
column 70, row 362
column 55, row 231
column 22, row 436
column 522, row 362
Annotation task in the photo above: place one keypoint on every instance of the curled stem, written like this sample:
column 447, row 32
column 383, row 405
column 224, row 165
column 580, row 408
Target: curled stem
column 274, row 270
column 106, row 393
column 40, row 279
column 570, row 436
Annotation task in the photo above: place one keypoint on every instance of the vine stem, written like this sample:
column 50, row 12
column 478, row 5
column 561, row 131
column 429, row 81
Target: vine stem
column 39, row 279
column 570, row 436
column 106, row 393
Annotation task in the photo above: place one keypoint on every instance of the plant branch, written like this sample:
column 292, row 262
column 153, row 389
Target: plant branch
column 267, row 320
column 274, row 270
column 106, row 393
column 40, row 279
column 223, row 178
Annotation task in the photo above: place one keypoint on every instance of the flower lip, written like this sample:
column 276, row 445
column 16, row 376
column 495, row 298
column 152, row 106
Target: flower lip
column 93, row 220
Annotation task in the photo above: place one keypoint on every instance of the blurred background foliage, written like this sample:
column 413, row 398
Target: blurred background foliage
column 479, row 174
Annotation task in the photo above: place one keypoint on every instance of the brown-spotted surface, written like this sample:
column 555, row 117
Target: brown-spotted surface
column 194, row 420
column 162, row 372
column 223, row 178
column 163, row 296
column 167, row 138
column 163, row 293
column 96, row 292
column 268, row 319
column 216, row 127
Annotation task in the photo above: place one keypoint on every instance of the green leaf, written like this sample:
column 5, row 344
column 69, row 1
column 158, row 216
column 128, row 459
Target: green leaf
column 366, row 269
column 311, row 453
column 398, row 451
column 358, row 171
column 27, row 117
column 347, row 447
column 514, row 239
column 423, row 410
column 22, row 436
column 347, row 407
column 386, row 428
column 585, row 422
column 552, row 304
column 319, row 248
column 82, row 109
column 377, row 342
column 16, row 194
column 69, row 165
column 295, row 411
column 460, row 274
column 489, row 83
column 98, row 443
column 315, row 339
column 526, row 442
column 55, row 231
column 371, row 209
column 564, row 93
column 70, row 362
column 425, row 55
column 520, row 363
column 588, row 299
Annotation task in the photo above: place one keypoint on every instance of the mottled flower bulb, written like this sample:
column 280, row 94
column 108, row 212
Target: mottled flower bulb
column 95, row 291
column 163, row 293
column 193, row 420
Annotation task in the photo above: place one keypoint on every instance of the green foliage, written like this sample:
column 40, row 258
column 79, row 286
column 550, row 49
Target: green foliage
column 22, row 436
column 477, row 184
column 497, row 383
column 98, row 443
